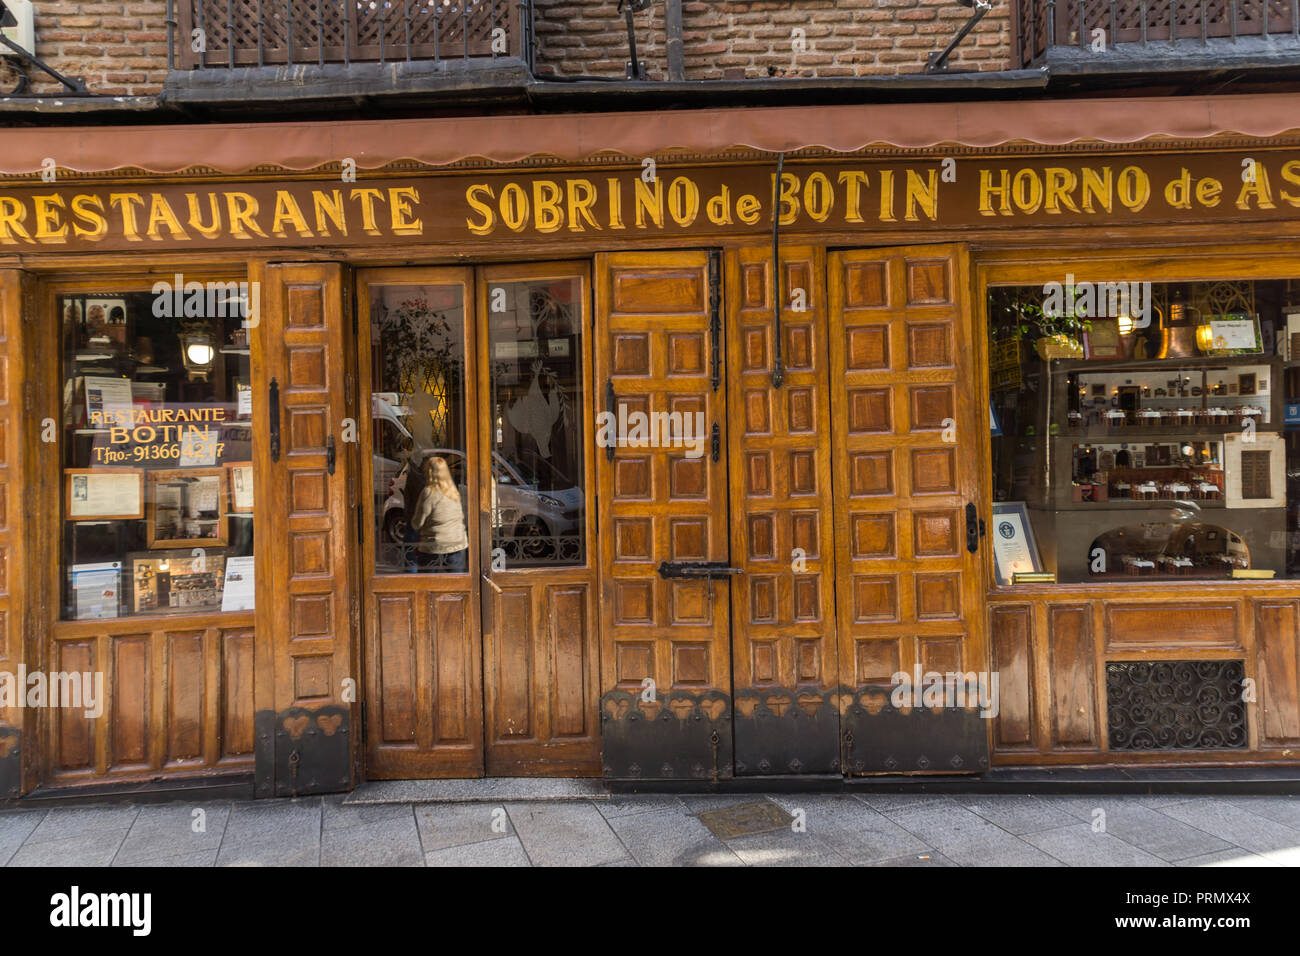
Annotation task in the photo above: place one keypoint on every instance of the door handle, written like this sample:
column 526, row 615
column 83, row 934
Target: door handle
column 487, row 578
column 330, row 454
column 274, row 407
column 973, row 523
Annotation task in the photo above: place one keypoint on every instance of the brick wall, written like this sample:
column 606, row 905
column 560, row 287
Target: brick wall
column 723, row 37
column 116, row 46
column 120, row 46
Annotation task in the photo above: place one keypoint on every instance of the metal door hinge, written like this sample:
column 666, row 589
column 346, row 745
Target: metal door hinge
column 361, row 525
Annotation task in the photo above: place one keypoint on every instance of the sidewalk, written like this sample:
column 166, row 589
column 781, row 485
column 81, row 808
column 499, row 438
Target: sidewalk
column 666, row 830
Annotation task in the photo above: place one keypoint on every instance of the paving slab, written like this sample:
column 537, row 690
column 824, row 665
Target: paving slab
column 63, row 822
column 1235, row 857
column 1017, row 814
column 272, row 833
column 786, row 848
column 858, row 832
column 1079, row 845
column 95, row 847
column 16, row 827
column 920, row 859
column 484, row 789
column 1242, row 828
column 170, row 830
column 565, row 834
column 671, row 837
column 508, row 852
column 967, row 838
column 621, row 805
column 443, row 825
column 393, row 841
column 202, row 858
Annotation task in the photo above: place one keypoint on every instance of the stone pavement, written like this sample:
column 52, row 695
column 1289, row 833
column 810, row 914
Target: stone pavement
column 666, row 830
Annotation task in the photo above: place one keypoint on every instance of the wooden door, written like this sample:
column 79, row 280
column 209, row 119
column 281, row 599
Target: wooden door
column 540, row 645
column 905, row 442
column 307, row 610
column 782, row 536
column 416, row 336
column 665, row 655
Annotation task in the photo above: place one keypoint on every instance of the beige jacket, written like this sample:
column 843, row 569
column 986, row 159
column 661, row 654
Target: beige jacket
column 440, row 522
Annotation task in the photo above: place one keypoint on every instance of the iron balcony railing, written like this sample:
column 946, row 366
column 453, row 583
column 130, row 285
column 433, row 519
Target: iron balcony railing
column 230, row 34
column 1043, row 24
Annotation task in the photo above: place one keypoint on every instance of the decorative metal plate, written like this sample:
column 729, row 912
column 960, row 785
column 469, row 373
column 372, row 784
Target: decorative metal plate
column 744, row 819
column 1175, row 705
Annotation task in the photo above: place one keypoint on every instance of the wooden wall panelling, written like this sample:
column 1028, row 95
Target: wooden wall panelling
column 784, row 653
column 541, row 650
column 1013, row 655
column 1276, row 714
column 906, row 461
column 308, row 543
column 423, row 642
column 17, row 305
column 653, row 354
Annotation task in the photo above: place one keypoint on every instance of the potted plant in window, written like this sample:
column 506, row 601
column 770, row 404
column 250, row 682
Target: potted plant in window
column 1017, row 312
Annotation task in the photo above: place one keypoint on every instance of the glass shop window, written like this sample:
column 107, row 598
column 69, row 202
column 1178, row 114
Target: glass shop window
column 421, row 506
column 535, row 353
column 1145, row 431
column 157, row 452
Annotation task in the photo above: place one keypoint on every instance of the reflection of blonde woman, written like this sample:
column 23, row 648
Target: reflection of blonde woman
column 444, row 539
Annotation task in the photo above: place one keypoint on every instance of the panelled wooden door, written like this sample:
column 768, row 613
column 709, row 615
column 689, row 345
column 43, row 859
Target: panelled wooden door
column 782, row 536
column 665, row 651
column 540, row 633
column 307, row 606
column 422, row 630
column 905, row 441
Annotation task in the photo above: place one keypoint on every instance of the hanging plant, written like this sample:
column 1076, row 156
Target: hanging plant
column 1017, row 312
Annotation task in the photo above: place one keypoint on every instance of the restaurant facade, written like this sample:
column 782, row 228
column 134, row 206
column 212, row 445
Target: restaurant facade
column 499, row 447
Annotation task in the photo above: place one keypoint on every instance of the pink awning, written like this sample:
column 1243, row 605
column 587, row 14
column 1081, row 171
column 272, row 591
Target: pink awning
column 238, row 148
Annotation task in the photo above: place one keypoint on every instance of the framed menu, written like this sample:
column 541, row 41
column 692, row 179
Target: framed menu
column 1014, row 549
column 103, row 494
column 1101, row 341
column 187, row 507
column 241, row 485
column 1255, row 471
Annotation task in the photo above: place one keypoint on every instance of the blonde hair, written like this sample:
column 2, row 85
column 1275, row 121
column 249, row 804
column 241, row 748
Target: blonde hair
column 438, row 475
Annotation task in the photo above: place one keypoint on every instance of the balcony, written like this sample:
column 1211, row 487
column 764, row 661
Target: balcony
column 247, row 51
column 1156, row 36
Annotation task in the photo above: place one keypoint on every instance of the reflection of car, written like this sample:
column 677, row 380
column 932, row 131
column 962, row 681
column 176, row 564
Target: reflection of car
column 532, row 500
column 519, row 510
column 391, row 442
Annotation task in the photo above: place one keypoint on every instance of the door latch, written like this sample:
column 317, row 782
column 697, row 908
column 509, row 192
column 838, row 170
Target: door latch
column 697, row 569
column 974, row 528
column 273, row 409
column 330, row 454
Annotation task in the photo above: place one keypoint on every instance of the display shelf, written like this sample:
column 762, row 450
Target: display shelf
column 1133, row 504
column 1132, row 433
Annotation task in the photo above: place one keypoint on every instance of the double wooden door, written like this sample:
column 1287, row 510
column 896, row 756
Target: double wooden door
column 760, row 598
column 482, row 661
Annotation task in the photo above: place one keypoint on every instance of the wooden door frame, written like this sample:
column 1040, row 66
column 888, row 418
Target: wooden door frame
column 461, row 762
column 577, row 756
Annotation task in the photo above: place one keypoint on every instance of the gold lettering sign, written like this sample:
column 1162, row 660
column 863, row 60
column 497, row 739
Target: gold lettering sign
column 909, row 197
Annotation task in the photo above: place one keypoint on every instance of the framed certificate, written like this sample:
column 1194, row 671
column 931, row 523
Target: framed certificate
column 241, row 485
column 103, row 494
column 1014, row 549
